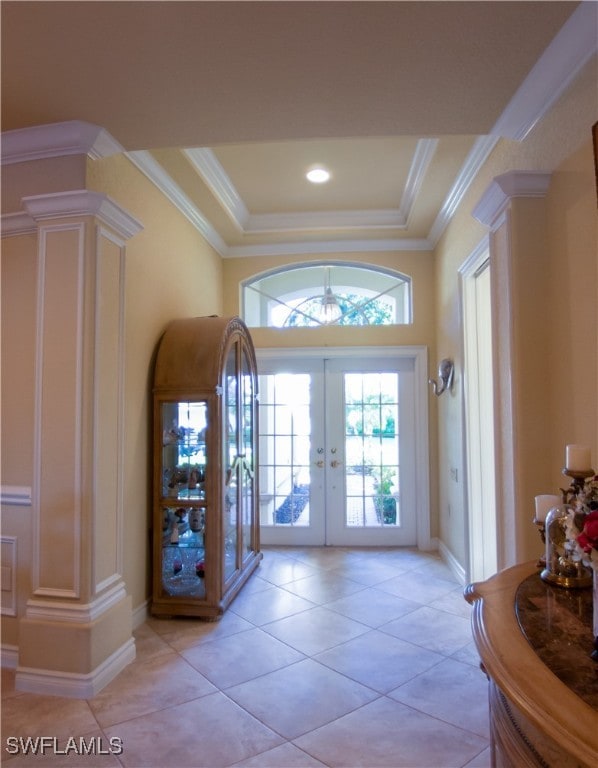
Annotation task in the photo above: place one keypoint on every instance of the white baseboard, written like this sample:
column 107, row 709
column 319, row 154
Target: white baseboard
column 456, row 568
column 141, row 614
column 10, row 656
column 73, row 685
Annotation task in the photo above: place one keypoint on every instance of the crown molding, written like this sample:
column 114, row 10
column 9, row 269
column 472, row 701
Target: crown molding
column 424, row 152
column 328, row 246
column 211, row 171
column 504, row 188
column 73, row 137
column 263, row 223
column 215, row 177
column 82, row 203
column 39, row 208
column 19, row 223
column 571, row 48
column 553, row 73
column 145, row 162
column 470, row 169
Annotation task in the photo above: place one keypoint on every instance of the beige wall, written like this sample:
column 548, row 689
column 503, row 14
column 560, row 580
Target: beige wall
column 556, row 292
column 170, row 272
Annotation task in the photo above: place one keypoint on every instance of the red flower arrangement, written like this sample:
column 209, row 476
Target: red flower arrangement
column 586, row 523
column 588, row 538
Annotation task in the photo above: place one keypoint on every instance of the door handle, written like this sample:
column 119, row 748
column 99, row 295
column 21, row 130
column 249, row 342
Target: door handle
column 334, row 463
column 319, row 464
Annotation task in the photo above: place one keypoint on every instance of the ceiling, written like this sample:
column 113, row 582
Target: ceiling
column 226, row 104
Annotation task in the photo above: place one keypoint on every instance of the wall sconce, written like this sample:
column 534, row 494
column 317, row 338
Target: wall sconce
column 446, row 369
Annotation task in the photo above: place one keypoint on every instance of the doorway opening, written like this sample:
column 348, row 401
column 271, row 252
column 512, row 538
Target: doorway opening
column 343, row 447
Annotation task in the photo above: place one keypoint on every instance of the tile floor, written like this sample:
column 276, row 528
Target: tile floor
column 328, row 657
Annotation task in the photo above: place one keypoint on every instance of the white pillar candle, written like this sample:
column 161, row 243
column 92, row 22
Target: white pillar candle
column 544, row 504
column 578, row 458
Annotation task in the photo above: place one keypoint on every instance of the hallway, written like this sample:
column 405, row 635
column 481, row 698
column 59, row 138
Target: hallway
column 328, row 657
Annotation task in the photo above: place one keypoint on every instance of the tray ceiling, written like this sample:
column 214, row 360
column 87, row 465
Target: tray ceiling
column 226, row 104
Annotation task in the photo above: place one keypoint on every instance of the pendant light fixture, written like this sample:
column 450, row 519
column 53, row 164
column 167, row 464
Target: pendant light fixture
column 330, row 310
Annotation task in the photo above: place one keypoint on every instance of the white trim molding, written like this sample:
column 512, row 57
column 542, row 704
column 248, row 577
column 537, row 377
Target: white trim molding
column 555, row 70
column 73, row 137
column 15, row 495
column 328, row 246
column 455, row 566
column 422, row 157
column 74, row 613
column 470, row 169
column 73, row 685
column 206, row 164
column 9, row 656
column 263, row 223
column 144, row 162
column 9, row 575
column 141, row 614
column 560, row 63
column 211, row 171
column 503, row 188
column 81, row 202
column 19, row 223
column 46, row 333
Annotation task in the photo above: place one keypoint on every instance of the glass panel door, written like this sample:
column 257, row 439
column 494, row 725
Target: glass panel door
column 337, row 452
column 370, row 435
column 183, row 497
column 292, row 452
column 371, row 448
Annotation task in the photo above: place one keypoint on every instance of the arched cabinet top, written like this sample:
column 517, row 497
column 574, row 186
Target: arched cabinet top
column 192, row 352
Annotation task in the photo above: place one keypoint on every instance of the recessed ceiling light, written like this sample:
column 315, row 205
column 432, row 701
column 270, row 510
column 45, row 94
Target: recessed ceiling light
column 318, row 175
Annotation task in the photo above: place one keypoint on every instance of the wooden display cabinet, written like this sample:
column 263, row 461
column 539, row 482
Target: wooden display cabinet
column 206, row 534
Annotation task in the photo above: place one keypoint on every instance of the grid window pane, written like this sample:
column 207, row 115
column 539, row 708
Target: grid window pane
column 285, row 429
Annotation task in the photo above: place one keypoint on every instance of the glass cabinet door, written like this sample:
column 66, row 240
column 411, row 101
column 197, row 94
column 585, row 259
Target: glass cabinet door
column 183, row 497
column 231, row 453
column 247, row 452
column 205, row 535
column 239, row 453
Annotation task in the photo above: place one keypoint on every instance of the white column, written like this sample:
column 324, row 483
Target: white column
column 513, row 209
column 76, row 634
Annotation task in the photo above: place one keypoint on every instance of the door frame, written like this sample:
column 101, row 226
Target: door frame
column 473, row 429
column 419, row 356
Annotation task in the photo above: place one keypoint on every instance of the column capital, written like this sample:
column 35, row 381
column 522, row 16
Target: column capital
column 74, row 137
column 76, row 203
column 502, row 189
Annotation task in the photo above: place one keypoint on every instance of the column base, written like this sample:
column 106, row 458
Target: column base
column 62, row 657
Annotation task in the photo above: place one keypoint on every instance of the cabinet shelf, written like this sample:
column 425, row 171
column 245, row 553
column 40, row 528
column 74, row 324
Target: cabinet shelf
column 206, row 539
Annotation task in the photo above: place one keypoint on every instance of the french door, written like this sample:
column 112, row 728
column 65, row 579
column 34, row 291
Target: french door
column 338, row 449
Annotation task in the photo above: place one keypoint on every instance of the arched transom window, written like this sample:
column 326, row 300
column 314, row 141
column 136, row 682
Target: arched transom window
column 327, row 293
